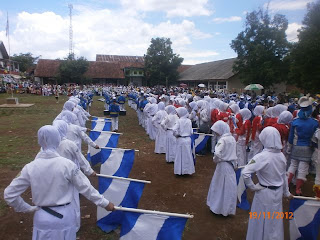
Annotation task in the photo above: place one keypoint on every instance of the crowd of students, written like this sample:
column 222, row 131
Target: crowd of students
column 57, row 176
column 278, row 143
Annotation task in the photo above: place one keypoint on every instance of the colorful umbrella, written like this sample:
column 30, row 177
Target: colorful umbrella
column 254, row 86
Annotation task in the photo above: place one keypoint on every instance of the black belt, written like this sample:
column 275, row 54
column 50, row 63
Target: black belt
column 54, row 213
column 270, row 187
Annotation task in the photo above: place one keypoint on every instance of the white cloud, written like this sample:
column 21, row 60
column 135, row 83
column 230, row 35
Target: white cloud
column 287, row 4
column 292, row 32
column 173, row 8
column 95, row 32
column 229, row 19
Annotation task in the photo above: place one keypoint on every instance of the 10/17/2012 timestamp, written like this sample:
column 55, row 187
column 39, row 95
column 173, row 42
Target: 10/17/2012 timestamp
column 271, row 215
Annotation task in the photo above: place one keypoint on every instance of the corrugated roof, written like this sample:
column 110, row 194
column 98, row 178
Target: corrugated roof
column 209, row 71
column 117, row 58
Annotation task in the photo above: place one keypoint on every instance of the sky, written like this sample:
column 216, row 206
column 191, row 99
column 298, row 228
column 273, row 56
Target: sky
column 200, row 30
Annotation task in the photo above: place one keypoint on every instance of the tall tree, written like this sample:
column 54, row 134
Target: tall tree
column 25, row 60
column 72, row 70
column 161, row 63
column 261, row 49
column 305, row 55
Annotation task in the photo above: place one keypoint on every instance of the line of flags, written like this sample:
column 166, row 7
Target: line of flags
column 126, row 192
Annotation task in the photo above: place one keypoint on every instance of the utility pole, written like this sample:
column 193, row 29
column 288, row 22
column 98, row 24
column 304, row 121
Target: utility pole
column 70, row 32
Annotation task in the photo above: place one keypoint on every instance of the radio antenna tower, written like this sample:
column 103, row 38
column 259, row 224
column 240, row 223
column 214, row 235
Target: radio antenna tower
column 70, row 31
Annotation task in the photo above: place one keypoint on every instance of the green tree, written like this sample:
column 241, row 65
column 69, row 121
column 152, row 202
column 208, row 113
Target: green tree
column 261, row 49
column 25, row 60
column 72, row 70
column 161, row 64
column 305, row 55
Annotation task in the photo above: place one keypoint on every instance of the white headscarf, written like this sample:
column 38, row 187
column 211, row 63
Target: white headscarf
column 235, row 108
column 245, row 113
column 223, row 106
column 161, row 106
column 258, row 110
column 269, row 112
column 171, row 110
column 270, row 138
column 68, row 106
column 193, row 106
column 220, row 127
column 278, row 109
column 62, row 127
column 48, row 138
column 182, row 112
column 69, row 117
column 285, row 117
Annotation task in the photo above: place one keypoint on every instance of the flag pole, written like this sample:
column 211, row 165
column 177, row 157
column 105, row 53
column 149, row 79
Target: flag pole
column 206, row 134
column 101, row 120
column 307, row 198
column 137, row 210
column 8, row 35
column 119, row 148
column 122, row 178
column 106, row 132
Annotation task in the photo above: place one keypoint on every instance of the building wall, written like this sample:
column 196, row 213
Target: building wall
column 235, row 85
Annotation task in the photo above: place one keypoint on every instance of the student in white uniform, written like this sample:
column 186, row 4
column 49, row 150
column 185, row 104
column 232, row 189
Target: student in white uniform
column 168, row 124
column 76, row 133
column 152, row 110
column 257, row 124
column 222, row 195
column 182, row 130
column 161, row 139
column 270, row 168
column 70, row 150
column 52, row 179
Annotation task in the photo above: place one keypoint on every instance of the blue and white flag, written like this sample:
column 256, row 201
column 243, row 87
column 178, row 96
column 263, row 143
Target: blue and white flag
column 144, row 226
column 116, row 162
column 102, row 139
column 121, row 193
column 101, row 125
column 242, row 192
column 199, row 141
column 306, row 219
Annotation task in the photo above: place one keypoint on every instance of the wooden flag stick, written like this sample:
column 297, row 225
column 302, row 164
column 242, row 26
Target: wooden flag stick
column 152, row 212
column 206, row 134
column 307, row 198
column 106, row 131
column 119, row 148
column 101, row 120
column 122, row 178
column 242, row 166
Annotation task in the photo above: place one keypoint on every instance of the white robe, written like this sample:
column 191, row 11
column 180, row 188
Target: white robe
column 52, row 179
column 161, row 140
column 222, row 195
column 183, row 163
column 69, row 150
column 171, row 142
column 270, row 168
column 76, row 134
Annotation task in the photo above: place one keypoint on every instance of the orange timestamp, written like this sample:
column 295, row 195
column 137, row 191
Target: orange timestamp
column 271, row 215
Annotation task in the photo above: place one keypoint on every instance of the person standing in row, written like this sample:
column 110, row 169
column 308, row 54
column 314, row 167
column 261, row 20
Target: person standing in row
column 52, row 179
column 222, row 195
column 161, row 140
column 114, row 114
column 182, row 130
column 270, row 168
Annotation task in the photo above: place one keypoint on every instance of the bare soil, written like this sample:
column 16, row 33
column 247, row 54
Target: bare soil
column 167, row 192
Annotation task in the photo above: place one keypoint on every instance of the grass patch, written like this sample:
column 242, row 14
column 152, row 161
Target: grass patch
column 3, row 208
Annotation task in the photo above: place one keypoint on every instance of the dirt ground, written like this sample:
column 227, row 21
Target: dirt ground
column 167, row 192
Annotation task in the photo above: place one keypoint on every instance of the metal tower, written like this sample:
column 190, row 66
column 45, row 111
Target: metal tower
column 70, row 31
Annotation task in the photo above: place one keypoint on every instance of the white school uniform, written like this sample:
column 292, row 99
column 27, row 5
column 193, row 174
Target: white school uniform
column 270, row 168
column 183, row 163
column 161, row 140
column 77, row 134
column 52, row 179
column 222, row 195
column 171, row 142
